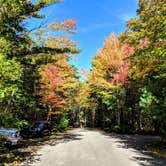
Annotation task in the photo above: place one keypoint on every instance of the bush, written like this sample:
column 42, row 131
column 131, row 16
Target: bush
column 62, row 126
column 64, row 123
column 116, row 129
column 23, row 126
column 6, row 120
column 2, row 144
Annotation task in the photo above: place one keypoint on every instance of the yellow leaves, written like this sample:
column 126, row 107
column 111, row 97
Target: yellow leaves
column 144, row 67
column 68, row 25
column 143, row 43
column 110, row 66
column 52, row 42
column 97, row 81
column 65, row 41
column 54, row 113
column 57, row 37
column 109, row 52
column 132, row 22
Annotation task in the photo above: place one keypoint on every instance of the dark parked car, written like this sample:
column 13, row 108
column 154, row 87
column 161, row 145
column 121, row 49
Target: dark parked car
column 40, row 128
column 11, row 136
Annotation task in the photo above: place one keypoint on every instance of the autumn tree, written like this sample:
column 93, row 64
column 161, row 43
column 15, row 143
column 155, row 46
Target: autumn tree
column 27, row 51
column 15, row 44
column 59, row 85
column 109, row 75
column 51, row 81
column 65, row 47
column 146, row 34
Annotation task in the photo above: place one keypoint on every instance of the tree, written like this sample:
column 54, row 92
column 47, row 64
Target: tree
column 15, row 39
column 146, row 34
column 109, row 75
column 51, row 81
column 10, row 83
column 21, row 48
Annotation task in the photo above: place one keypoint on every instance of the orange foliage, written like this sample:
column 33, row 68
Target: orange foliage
column 51, row 80
column 68, row 25
column 113, row 57
column 110, row 67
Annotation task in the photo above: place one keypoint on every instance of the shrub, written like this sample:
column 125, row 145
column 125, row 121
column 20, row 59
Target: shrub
column 62, row 126
column 116, row 129
column 2, row 144
column 23, row 126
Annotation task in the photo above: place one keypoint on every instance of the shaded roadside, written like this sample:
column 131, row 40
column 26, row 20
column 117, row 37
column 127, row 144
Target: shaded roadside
column 27, row 148
column 139, row 143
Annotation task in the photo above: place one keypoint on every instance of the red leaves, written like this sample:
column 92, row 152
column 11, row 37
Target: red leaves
column 51, row 82
column 50, row 75
column 114, row 59
column 127, row 50
column 121, row 76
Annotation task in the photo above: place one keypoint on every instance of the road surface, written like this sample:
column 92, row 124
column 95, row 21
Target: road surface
column 83, row 147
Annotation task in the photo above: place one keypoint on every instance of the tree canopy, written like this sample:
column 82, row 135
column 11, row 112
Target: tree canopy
column 123, row 92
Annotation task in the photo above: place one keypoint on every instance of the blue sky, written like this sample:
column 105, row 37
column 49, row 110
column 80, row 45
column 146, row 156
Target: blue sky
column 96, row 20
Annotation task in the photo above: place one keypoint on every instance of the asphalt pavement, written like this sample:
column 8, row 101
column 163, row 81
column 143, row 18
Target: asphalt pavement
column 84, row 147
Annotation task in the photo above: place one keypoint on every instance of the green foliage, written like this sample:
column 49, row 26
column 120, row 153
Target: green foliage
column 147, row 34
column 125, row 90
column 62, row 125
column 146, row 99
column 6, row 119
column 15, row 39
column 131, row 97
column 2, row 144
column 21, row 124
column 116, row 129
column 10, row 74
column 21, row 56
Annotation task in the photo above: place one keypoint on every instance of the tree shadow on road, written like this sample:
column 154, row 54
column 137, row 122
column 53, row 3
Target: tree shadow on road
column 63, row 138
column 138, row 144
column 15, row 154
column 53, row 141
column 26, row 150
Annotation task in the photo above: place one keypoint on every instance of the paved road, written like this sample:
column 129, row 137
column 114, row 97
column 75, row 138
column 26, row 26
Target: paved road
column 81, row 147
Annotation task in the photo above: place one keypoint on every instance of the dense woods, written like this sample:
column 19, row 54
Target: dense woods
column 124, row 92
column 127, row 79
column 36, row 77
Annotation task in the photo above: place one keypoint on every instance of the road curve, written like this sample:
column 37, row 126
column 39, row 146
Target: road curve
column 83, row 147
